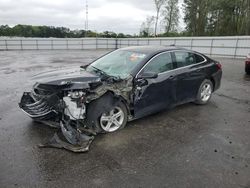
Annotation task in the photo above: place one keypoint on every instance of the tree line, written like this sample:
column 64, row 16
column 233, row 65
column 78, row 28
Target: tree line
column 57, row 32
column 201, row 17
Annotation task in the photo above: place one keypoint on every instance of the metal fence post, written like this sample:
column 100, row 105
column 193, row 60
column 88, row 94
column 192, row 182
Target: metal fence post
column 37, row 45
column 6, row 45
column 211, row 47
column 82, row 43
column 236, row 47
column 96, row 43
column 116, row 43
column 191, row 43
column 67, row 43
column 52, row 47
column 21, row 43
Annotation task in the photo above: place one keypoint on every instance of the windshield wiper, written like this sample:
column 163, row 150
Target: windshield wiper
column 105, row 74
column 100, row 71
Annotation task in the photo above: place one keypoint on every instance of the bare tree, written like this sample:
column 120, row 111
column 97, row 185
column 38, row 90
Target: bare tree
column 146, row 27
column 158, row 5
column 171, row 16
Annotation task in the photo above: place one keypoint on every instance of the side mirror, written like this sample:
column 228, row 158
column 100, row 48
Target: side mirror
column 147, row 75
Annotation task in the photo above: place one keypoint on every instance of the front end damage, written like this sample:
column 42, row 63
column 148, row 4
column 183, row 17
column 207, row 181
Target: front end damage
column 40, row 109
column 65, row 106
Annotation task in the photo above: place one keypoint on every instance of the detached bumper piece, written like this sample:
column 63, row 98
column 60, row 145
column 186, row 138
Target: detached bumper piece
column 36, row 109
column 70, row 138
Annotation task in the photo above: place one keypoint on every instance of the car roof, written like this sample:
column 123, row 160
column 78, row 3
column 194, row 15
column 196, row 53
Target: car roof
column 151, row 49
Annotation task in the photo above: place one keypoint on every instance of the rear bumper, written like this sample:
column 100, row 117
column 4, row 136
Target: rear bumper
column 217, row 79
column 36, row 109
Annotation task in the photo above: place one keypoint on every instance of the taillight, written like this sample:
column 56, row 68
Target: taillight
column 248, row 61
column 218, row 65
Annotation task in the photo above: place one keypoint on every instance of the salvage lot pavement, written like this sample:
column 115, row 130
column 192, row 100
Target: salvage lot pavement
column 188, row 146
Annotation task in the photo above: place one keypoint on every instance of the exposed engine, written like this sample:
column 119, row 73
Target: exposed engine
column 74, row 105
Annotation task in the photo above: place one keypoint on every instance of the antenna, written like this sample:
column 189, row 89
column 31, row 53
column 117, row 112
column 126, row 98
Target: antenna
column 87, row 18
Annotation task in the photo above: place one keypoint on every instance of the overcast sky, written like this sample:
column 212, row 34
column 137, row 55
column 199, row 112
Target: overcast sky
column 114, row 15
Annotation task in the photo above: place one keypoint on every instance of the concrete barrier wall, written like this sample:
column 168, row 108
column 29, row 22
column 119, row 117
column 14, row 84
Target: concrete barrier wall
column 235, row 47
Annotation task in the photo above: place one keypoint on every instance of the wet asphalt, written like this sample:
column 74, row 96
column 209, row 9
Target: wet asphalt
column 188, row 146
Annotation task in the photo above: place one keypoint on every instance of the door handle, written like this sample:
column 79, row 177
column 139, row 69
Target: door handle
column 171, row 77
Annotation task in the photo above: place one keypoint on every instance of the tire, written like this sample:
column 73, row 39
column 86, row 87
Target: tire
column 100, row 111
column 247, row 71
column 119, row 120
column 205, row 92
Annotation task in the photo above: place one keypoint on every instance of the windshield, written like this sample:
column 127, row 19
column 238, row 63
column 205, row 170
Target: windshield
column 119, row 63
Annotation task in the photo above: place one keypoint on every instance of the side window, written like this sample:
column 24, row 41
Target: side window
column 199, row 58
column 184, row 58
column 159, row 64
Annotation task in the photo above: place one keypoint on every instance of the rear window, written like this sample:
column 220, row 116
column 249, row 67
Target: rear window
column 184, row 58
column 199, row 58
column 187, row 58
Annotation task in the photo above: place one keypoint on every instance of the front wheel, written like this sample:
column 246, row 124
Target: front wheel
column 205, row 92
column 114, row 120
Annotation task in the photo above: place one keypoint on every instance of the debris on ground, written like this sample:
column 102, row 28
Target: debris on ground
column 71, row 138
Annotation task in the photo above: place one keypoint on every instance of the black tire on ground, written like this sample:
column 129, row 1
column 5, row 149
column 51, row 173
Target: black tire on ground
column 199, row 97
column 102, row 105
column 124, row 109
column 247, row 71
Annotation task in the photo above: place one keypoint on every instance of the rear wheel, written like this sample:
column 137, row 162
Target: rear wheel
column 205, row 92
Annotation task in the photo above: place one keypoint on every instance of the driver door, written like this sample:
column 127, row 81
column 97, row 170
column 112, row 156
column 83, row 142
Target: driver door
column 157, row 92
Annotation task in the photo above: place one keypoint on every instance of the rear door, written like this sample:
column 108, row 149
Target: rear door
column 152, row 95
column 190, row 72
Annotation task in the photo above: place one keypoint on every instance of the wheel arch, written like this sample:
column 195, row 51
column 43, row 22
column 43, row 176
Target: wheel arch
column 96, row 107
column 213, row 82
column 120, row 98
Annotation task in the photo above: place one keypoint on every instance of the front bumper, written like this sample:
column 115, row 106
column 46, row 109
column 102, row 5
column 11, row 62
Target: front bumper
column 38, row 109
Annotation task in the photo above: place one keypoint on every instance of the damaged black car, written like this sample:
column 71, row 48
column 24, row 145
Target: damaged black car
column 121, row 86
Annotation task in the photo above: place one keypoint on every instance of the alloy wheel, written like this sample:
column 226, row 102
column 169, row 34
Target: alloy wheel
column 113, row 120
column 206, row 92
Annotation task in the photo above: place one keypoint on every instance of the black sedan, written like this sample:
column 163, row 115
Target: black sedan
column 122, row 85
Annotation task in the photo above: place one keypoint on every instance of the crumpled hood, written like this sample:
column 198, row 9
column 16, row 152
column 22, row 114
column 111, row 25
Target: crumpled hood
column 61, row 77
